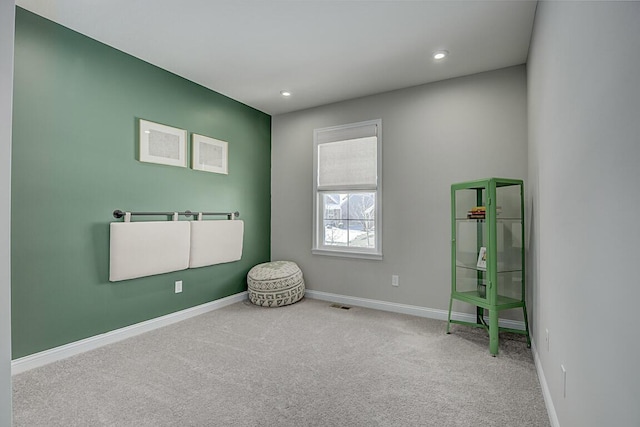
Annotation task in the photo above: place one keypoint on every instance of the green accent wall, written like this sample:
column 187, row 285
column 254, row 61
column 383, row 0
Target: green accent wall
column 74, row 161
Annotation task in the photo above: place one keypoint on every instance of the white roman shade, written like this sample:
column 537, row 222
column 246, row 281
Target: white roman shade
column 347, row 158
column 347, row 207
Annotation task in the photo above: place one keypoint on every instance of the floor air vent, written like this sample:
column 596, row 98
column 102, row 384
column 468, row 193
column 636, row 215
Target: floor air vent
column 344, row 307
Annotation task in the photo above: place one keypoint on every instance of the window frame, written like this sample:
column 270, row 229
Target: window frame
column 318, row 246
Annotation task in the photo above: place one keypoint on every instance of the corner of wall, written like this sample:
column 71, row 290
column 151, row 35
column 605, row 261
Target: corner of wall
column 7, row 22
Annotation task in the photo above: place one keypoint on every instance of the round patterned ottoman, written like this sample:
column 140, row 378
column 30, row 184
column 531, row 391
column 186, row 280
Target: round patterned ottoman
column 274, row 284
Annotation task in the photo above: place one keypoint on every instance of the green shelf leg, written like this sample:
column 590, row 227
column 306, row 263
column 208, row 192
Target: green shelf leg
column 493, row 332
column 449, row 318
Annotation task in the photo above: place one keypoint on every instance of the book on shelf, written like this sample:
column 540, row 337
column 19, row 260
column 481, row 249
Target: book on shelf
column 477, row 212
column 482, row 259
column 480, row 212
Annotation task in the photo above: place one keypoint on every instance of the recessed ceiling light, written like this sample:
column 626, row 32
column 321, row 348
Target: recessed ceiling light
column 285, row 93
column 440, row 54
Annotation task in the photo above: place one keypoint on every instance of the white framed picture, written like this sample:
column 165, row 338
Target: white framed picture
column 209, row 154
column 162, row 144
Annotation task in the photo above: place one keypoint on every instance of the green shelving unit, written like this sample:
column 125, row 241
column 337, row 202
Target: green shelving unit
column 487, row 252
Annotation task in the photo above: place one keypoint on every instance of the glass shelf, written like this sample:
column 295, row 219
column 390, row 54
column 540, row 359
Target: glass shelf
column 500, row 270
column 484, row 219
column 501, row 300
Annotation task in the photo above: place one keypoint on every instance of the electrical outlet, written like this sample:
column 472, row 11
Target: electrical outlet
column 546, row 338
column 564, row 381
column 395, row 280
column 178, row 286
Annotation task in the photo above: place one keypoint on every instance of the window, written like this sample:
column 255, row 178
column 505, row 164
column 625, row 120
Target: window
column 347, row 187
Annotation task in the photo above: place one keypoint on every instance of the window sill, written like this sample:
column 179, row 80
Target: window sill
column 347, row 254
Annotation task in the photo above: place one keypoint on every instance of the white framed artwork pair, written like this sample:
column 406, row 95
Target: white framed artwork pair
column 167, row 145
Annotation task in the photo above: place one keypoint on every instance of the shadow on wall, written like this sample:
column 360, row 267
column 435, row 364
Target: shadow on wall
column 100, row 244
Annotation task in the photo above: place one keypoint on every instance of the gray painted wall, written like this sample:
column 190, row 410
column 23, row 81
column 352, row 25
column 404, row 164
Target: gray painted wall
column 584, row 151
column 433, row 135
column 7, row 11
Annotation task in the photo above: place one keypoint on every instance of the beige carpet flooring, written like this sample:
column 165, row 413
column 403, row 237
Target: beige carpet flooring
column 307, row 364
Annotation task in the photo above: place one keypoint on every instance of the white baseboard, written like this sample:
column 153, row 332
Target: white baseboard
column 414, row 310
column 546, row 393
column 48, row 356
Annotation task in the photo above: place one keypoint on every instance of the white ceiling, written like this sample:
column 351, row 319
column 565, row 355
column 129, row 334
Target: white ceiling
column 322, row 51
